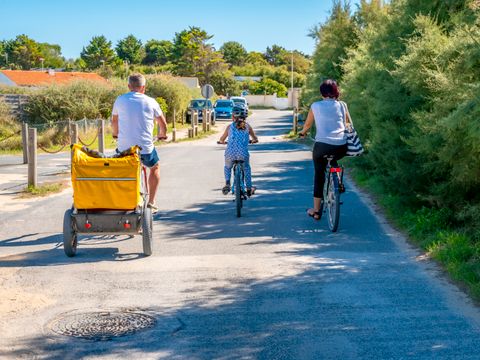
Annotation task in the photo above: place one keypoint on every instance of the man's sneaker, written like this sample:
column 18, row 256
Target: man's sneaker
column 251, row 191
column 153, row 207
column 341, row 188
column 226, row 189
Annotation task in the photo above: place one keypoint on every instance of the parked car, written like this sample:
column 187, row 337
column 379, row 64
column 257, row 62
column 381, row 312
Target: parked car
column 198, row 105
column 223, row 109
column 239, row 100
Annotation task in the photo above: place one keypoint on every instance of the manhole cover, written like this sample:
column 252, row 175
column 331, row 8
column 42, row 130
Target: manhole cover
column 101, row 325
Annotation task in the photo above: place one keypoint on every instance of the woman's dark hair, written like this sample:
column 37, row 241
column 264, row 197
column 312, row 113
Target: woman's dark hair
column 329, row 89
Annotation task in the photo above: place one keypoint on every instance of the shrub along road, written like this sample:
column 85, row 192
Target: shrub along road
column 272, row 284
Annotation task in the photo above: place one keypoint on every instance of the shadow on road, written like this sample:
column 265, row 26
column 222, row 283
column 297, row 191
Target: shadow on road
column 338, row 316
column 56, row 256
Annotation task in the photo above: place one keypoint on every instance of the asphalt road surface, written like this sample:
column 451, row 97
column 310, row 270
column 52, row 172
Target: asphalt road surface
column 273, row 284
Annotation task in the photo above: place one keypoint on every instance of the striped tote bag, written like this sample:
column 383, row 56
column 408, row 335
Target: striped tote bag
column 354, row 146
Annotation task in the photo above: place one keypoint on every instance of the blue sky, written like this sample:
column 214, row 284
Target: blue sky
column 255, row 24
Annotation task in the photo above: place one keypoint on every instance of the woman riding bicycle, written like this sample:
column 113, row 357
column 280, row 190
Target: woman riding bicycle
column 238, row 134
column 330, row 139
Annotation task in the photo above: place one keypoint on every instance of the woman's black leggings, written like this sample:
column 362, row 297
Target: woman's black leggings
column 320, row 163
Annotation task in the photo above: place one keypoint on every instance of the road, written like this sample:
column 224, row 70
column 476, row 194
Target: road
column 273, row 284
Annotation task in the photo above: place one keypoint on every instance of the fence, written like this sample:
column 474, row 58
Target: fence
column 54, row 138
column 16, row 103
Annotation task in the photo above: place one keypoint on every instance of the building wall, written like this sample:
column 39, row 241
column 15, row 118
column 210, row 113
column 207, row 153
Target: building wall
column 273, row 101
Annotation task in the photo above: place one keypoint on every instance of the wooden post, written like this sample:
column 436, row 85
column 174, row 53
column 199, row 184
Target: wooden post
column 74, row 133
column 195, row 123
column 204, row 120
column 25, row 142
column 32, row 157
column 295, row 121
column 212, row 118
column 190, row 133
column 174, row 129
column 101, row 136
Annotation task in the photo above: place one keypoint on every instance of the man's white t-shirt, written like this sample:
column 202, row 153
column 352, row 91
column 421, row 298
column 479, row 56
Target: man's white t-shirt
column 136, row 113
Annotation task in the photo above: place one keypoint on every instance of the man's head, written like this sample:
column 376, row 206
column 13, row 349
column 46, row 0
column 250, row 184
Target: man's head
column 136, row 82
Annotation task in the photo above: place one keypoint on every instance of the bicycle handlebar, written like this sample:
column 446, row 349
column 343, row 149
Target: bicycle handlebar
column 226, row 142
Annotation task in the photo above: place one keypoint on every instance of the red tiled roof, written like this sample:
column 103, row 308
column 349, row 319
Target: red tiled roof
column 38, row 78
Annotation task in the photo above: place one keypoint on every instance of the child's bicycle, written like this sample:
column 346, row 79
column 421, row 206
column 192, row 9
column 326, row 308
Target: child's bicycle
column 239, row 188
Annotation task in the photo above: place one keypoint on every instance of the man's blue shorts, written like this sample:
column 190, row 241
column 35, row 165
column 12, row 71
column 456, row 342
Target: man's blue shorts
column 151, row 159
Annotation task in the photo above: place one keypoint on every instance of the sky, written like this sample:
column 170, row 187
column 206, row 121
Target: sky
column 256, row 24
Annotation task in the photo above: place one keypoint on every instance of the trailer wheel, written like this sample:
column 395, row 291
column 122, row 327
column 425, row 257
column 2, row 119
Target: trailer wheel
column 69, row 235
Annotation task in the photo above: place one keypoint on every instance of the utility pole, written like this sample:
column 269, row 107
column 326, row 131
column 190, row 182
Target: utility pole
column 291, row 79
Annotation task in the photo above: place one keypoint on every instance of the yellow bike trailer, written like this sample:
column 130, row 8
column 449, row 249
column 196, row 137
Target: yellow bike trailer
column 109, row 197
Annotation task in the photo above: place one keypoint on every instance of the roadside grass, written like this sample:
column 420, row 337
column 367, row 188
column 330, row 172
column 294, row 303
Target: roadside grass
column 431, row 229
column 201, row 135
column 42, row 190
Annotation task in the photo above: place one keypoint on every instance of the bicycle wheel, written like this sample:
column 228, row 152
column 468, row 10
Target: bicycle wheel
column 333, row 203
column 147, row 231
column 238, row 191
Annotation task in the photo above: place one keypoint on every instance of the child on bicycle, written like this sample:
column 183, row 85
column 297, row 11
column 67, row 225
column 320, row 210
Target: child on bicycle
column 238, row 134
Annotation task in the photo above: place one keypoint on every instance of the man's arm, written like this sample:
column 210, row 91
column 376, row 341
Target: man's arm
column 162, row 127
column 115, row 126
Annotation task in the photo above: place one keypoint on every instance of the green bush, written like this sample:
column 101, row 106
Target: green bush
column 411, row 76
column 268, row 87
column 163, row 105
column 176, row 94
column 74, row 101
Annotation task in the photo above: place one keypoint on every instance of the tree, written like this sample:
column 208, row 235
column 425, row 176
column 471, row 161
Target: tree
column 187, row 46
column 268, row 87
column 256, row 58
column 334, row 39
column 130, row 49
column 275, row 55
column 158, row 52
column 301, row 63
column 3, row 51
column 98, row 52
column 23, row 52
column 52, row 55
column 234, row 53
column 193, row 56
column 224, row 83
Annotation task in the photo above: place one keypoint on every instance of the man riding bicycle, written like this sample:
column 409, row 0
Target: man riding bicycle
column 133, row 117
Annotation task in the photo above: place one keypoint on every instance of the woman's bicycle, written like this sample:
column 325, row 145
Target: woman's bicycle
column 332, row 189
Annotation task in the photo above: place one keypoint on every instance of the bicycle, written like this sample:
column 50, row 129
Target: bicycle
column 239, row 188
column 332, row 189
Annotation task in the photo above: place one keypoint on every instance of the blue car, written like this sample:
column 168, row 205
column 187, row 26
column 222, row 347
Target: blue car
column 223, row 109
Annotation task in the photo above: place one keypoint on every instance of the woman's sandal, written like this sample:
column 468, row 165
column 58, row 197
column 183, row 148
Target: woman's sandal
column 316, row 215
